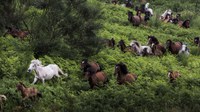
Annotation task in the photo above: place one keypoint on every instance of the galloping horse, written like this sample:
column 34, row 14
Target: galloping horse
column 157, row 49
column 26, row 92
column 16, row 32
column 173, row 75
column 85, row 65
column 173, row 47
column 123, row 76
column 44, row 72
column 147, row 9
column 141, row 50
column 96, row 78
column 135, row 20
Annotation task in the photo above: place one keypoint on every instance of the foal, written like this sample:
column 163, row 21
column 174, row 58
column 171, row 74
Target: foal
column 173, row 75
column 26, row 92
column 123, row 76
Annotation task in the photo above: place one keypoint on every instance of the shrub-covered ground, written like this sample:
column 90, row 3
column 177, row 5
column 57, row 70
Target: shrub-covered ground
column 151, row 92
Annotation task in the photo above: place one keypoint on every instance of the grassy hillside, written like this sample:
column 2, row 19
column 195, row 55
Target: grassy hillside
column 151, row 92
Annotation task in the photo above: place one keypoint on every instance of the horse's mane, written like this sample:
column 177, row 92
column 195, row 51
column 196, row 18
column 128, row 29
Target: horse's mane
column 22, row 84
column 123, row 68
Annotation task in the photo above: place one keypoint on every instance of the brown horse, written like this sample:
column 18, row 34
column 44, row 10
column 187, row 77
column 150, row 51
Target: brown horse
column 96, row 78
column 123, row 76
column 109, row 42
column 135, row 20
column 184, row 24
column 123, row 47
column 173, row 75
column 85, row 65
column 173, row 47
column 16, row 32
column 157, row 49
column 26, row 92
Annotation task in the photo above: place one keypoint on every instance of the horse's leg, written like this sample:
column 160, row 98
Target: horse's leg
column 35, row 80
column 43, row 81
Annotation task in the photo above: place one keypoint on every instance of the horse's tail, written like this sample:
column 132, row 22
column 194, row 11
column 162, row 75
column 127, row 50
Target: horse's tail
column 60, row 71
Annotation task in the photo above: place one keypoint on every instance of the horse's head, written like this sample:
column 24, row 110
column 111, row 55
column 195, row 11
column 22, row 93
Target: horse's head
column 84, row 63
column 152, row 40
column 3, row 97
column 196, row 40
column 120, row 68
column 139, row 12
column 34, row 64
column 186, row 24
column 168, row 43
column 130, row 15
column 20, row 86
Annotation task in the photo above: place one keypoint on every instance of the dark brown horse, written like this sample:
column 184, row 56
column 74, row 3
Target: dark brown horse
column 123, row 76
column 96, row 78
column 173, row 75
column 157, row 49
column 110, row 42
column 114, row 2
column 16, row 32
column 85, row 65
column 123, row 47
column 173, row 47
column 184, row 24
column 196, row 41
column 135, row 20
column 26, row 92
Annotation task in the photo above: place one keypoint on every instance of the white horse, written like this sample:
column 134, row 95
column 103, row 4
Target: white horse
column 141, row 49
column 169, row 11
column 184, row 50
column 148, row 9
column 2, row 99
column 44, row 72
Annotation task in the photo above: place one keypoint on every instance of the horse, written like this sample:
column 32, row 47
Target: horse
column 128, row 3
column 3, row 98
column 147, row 9
column 123, row 76
column 85, row 64
column 184, row 50
column 176, row 19
column 122, row 45
column 44, row 72
column 16, row 32
column 157, row 49
column 184, row 24
column 141, row 50
column 173, row 47
column 109, row 42
column 196, row 41
column 96, row 78
column 28, row 92
column 114, row 2
column 173, row 75
column 135, row 20
column 167, row 12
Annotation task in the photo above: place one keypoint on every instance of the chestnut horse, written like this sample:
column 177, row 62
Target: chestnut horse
column 123, row 76
column 96, row 78
column 85, row 65
column 135, row 20
column 26, row 92
column 173, row 47
column 16, row 32
column 157, row 49
column 173, row 75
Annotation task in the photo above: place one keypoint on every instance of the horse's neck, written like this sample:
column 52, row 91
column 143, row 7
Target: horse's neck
column 38, row 69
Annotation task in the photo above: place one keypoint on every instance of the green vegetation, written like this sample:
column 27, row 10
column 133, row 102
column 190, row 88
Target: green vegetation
column 66, row 32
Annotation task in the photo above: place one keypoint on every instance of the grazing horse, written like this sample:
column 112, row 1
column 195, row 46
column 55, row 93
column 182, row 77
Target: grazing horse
column 196, row 41
column 173, row 47
column 141, row 50
column 96, row 78
column 157, row 49
column 135, row 20
column 123, row 76
column 173, row 75
column 16, row 32
column 184, row 24
column 2, row 99
column 28, row 92
column 44, row 72
column 85, row 65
